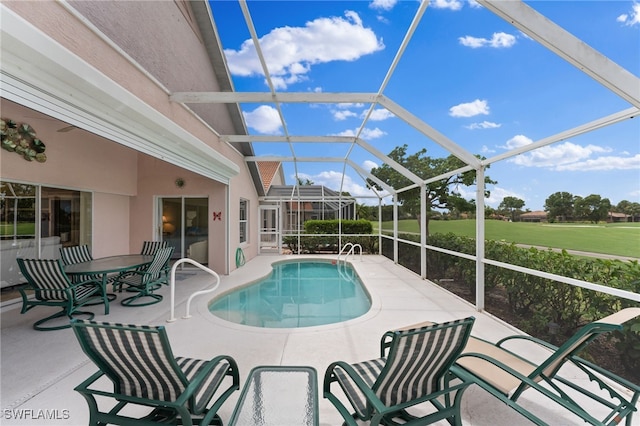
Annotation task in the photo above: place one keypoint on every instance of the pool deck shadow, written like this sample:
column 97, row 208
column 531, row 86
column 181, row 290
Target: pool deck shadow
column 40, row 369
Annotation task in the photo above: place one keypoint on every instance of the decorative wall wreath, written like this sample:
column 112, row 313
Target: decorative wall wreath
column 179, row 182
column 21, row 139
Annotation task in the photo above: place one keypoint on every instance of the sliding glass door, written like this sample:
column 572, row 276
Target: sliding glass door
column 35, row 221
column 185, row 226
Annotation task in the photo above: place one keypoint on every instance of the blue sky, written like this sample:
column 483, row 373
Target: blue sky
column 466, row 72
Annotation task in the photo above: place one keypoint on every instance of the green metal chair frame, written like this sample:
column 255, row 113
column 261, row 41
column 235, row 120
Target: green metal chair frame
column 506, row 375
column 416, row 366
column 146, row 280
column 139, row 362
column 52, row 287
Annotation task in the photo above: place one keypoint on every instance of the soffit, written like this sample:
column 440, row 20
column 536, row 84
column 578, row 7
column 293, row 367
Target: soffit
column 39, row 73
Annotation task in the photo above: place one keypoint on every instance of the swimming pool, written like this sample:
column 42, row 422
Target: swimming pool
column 296, row 294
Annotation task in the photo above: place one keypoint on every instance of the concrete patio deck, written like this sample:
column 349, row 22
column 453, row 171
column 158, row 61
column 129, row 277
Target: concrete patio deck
column 40, row 369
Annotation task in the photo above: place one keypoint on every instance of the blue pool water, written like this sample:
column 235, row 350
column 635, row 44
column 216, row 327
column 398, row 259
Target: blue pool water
column 297, row 294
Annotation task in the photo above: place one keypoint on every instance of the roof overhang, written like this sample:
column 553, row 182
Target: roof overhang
column 38, row 72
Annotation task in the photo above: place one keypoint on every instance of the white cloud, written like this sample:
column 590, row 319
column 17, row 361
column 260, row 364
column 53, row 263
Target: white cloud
column 470, row 109
column 517, row 141
column 483, row 125
column 474, row 4
column 291, row 51
column 264, row 119
column 498, row 40
column 569, row 156
column 368, row 165
column 341, row 115
column 486, row 150
column 383, row 4
column 367, row 134
column 632, row 18
column 446, row 4
column 380, row 114
column 604, row 163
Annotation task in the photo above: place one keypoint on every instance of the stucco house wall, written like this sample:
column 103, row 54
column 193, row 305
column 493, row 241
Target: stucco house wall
column 150, row 49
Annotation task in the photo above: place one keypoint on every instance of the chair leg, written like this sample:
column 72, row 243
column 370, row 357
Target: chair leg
column 63, row 313
column 131, row 301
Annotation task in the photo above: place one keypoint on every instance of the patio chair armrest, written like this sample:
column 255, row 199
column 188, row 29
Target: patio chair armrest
column 528, row 338
column 330, row 377
column 197, row 380
column 232, row 371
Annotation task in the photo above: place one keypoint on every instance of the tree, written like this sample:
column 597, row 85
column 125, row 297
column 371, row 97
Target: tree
column 458, row 205
column 303, row 182
column 627, row 207
column 559, row 204
column 438, row 193
column 593, row 208
column 512, row 204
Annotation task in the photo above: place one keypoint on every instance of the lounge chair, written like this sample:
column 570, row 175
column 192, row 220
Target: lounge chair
column 414, row 368
column 506, row 375
column 140, row 364
column 52, row 287
column 145, row 281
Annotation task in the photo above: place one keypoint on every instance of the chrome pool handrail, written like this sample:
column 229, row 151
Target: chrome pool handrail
column 172, row 284
column 352, row 250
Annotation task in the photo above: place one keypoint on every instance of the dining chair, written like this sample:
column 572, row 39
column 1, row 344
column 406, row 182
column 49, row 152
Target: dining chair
column 52, row 287
column 145, row 281
column 150, row 248
column 76, row 254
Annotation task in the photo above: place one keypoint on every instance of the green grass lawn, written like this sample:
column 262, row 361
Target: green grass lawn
column 622, row 239
column 23, row 228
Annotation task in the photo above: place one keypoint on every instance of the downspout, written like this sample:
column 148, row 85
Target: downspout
column 227, row 230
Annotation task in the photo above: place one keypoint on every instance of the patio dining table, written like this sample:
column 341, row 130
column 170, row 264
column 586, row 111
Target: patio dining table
column 105, row 266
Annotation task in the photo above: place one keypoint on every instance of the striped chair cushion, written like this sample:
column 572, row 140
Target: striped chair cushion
column 416, row 362
column 48, row 277
column 150, row 248
column 137, row 362
column 75, row 254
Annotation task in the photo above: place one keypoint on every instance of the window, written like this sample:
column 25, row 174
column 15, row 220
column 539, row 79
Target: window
column 35, row 221
column 244, row 223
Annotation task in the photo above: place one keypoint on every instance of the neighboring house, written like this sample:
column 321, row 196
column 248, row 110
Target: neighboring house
column 534, row 216
column 618, row 217
column 285, row 208
column 124, row 163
